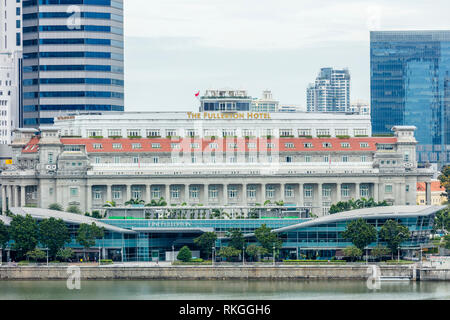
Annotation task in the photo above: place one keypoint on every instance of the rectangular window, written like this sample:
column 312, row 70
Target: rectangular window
column 156, row 145
column 304, row 132
column 289, row 191
column 388, row 188
column 114, row 133
column 133, row 133
column 175, row 192
column 194, row 192
column 251, row 192
column 117, row 146
column 286, row 133
column 364, row 145
column 344, row 158
column 155, row 159
column 232, row 192
column 171, row 133
column 345, row 191
column 116, row 159
column 156, row 192
column 153, row 133
column 94, row 133
column 289, row 145
column 308, row 191
column 308, row 145
column 364, row 191
column 97, row 146
column 213, row 193
column 270, row 192
column 116, row 194
column 175, row 146
column 341, row 132
column 326, row 192
column 136, row 146
column 360, row 132
column 213, row 145
column 323, row 132
column 74, row 192
column 307, row 158
column 345, row 145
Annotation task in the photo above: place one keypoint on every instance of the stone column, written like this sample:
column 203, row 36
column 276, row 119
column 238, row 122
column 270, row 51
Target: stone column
column 127, row 193
column 225, row 194
column 167, row 193
column 282, row 192
column 357, row 191
column 375, row 192
column 22, row 196
column 88, row 198
column 300, row 195
column 186, row 193
column 3, row 200
column 320, row 196
column 108, row 192
column 16, row 196
column 338, row 192
column 9, row 195
column 428, row 193
column 205, row 194
column 149, row 193
column 244, row 194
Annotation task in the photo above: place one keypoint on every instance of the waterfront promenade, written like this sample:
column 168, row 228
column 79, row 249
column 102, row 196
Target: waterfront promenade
column 162, row 271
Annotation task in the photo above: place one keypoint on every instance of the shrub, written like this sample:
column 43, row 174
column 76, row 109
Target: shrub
column 56, row 207
column 199, row 260
column 74, row 209
column 106, row 261
column 36, row 255
column 185, row 254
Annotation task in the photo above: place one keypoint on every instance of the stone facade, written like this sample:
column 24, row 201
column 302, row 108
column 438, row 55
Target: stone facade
column 313, row 172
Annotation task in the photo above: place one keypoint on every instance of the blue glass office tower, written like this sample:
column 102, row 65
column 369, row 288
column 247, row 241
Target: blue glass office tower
column 73, row 58
column 410, row 85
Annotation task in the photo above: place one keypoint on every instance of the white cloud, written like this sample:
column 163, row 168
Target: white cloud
column 282, row 24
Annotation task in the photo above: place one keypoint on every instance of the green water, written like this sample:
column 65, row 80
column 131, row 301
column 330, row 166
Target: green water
column 222, row 290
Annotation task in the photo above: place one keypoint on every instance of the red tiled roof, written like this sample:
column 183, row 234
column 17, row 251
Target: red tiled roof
column 32, row 146
column 223, row 144
column 435, row 186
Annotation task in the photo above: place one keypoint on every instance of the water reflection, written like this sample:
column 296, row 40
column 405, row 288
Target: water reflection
column 207, row 290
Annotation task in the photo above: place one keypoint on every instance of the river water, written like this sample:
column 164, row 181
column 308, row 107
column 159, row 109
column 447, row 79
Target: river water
column 222, row 290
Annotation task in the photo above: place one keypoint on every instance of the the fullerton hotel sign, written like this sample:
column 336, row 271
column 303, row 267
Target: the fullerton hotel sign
column 228, row 116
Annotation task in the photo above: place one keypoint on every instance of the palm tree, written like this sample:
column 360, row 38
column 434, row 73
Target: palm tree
column 134, row 202
column 109, row 204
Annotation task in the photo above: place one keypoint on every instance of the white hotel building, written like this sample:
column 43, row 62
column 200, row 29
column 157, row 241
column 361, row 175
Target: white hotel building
column 224, row 159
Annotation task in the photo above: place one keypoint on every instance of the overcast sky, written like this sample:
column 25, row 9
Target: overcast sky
column 174, row 48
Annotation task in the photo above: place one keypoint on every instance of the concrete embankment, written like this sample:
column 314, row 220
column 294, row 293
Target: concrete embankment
column 219, row 273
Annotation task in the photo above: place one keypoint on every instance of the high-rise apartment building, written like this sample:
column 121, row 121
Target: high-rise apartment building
column 330, row 92
column 10, row 67
column 73, row 58
column 10, row 25
column 410, row 85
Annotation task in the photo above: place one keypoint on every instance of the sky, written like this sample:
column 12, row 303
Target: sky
column 175, row 48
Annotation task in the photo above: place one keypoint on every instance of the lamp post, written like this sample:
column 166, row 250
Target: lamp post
column 173, row 254
column 212, row 258
column 243, row 255
column 273, row 255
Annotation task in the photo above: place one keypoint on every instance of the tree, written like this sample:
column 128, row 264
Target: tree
column 109, row 204
column 442, row 220
column 379, row 252
column 229, row 252
column 36, row 255
column 64, row 254
column 205, row 242
column 158, row 203
column 447, row 242
column 237, row 239
column 360, row 233
column 353, row 252
column 255, row 251
column 342, row 206
column 4, row 238
column 394, row 234
column 185, row 254
column 56, row 207
column 74, row 209
column 134, row 202
column 445, row 180
column 25, row 233
column 53, row 234
column 267, row 239
column 87, row 234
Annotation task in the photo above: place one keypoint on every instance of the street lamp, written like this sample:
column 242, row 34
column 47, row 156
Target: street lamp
column 212, row 258
column 274, row 255
column 243, row 255
column 173, row 254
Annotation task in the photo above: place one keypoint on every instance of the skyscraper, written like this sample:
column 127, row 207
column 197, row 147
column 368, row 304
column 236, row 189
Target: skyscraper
column 10, row 68
column 73, row 58
column 330, row 92
column 410, row 85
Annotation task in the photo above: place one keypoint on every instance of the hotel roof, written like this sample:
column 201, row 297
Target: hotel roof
column 368, row 213
column 40, row 214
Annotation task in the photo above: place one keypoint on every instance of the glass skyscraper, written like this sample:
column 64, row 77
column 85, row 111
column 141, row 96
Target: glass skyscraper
column 410, row 85
column 73, row 54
